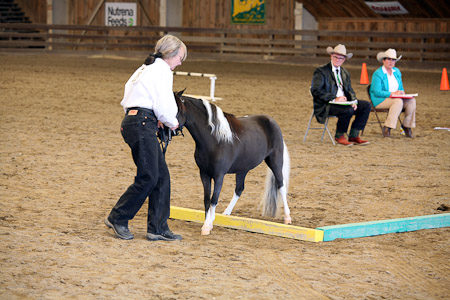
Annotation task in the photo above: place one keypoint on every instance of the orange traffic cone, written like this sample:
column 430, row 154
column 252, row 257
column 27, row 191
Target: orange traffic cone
column 364, row 76
column 444, row 80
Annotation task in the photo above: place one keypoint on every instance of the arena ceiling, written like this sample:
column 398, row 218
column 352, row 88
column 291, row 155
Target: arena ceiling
column 359, row 9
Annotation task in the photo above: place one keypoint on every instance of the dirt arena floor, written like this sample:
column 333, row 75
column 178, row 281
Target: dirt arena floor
column 63, row 166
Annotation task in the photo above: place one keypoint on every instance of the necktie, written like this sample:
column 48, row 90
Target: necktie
column 338, row 78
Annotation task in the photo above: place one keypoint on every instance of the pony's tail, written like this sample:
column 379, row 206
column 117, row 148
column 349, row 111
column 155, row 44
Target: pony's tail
column 271, row 201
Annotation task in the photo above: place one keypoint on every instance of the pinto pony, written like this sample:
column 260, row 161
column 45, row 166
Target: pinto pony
column 225, row 144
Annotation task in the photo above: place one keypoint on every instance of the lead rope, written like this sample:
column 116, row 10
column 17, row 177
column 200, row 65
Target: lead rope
column 165, row 137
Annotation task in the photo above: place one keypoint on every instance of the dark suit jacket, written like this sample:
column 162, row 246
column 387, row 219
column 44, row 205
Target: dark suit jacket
column 324, row 89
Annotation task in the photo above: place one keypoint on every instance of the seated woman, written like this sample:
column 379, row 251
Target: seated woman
column 386, row 84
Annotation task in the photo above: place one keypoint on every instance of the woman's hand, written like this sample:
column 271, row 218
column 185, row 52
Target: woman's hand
column 397, row 93
column 161, row 125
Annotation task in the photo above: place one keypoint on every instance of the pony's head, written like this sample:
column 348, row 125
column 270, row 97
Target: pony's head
column 181, row 115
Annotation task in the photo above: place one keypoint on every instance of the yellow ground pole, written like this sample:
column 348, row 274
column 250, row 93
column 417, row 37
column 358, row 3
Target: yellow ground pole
column 247, row 224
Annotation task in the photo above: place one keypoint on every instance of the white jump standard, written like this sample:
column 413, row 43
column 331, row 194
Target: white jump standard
column 212, row 78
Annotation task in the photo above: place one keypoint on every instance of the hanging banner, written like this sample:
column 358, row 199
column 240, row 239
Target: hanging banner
column 248, row 11
column 120, row 14
column 387, row 8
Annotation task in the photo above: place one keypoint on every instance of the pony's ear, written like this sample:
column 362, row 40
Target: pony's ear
column 180, row 93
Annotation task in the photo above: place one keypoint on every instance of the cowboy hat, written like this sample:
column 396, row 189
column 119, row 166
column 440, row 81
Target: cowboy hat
column 389, row 53
column 339, row 49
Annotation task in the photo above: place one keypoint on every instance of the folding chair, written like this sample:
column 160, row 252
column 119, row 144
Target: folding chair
column 380, row 110
column 324, row 128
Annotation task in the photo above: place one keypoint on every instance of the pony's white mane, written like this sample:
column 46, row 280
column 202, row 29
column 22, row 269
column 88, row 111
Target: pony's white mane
column 221, row 130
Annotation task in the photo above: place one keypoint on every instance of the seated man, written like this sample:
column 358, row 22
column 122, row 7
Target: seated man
column 332, row 90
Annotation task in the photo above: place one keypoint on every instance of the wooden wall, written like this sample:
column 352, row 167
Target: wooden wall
column 35, row 10
column 250, row 45
column 384, row 25
column 217, row 14
column 196, row 13
column 423, row 9
column 377, row 24
column 81, row 11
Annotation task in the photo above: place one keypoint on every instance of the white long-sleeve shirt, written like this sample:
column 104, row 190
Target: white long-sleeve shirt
column 152, row 87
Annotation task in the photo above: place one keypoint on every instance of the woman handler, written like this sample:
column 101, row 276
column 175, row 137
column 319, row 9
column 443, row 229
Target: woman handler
column 148, row 103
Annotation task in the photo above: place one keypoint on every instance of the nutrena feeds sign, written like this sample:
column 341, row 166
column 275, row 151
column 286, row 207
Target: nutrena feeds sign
column 120, row 14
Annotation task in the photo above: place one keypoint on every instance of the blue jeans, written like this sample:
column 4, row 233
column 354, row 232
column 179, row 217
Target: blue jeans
column 152, row 179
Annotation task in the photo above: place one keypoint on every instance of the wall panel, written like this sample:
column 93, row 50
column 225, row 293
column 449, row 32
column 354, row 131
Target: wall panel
column 35, row 10
column 81, row 11
column 216, row 14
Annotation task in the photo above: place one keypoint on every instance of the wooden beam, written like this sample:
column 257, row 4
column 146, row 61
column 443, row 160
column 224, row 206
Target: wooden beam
column 145, row 12
column 247, row 224
column 95, row 12
column 356, row 230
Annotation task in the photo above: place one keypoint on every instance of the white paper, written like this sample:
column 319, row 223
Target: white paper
column 344, row 103
column 405, row 96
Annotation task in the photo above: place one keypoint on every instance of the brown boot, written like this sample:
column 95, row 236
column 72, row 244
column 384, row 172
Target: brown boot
column 358, row 141
column 408, row 132
column 386, row 131
column 343, row 141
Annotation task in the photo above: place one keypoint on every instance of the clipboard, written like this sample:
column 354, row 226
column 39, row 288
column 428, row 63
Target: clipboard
column 344, row 103
column 405, row 96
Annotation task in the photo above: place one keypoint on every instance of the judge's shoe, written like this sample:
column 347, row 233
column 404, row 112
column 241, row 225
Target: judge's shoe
column 121, row 231
column 357, row 140
column 343, row 141
column 386, row 131
column 408, row 132
column 165, row 236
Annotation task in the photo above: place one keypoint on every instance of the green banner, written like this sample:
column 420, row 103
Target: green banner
column 248, row 11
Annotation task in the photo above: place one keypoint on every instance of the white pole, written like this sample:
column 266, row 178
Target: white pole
column 162, row 13
column 298, row 17
column 213, row 85
column 212, row 77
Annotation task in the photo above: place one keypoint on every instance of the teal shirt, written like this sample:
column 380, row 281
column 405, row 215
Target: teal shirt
column 379, row 88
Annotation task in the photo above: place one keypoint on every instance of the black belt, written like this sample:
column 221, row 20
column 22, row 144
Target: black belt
column 148, row 110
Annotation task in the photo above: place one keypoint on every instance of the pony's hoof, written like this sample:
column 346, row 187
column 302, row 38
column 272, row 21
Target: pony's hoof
column 206, row 231
column 287, row 220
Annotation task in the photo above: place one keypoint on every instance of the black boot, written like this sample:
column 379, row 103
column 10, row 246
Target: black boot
column 408, row 132
column 386, row 131
column 121, row 231
column 165, row 236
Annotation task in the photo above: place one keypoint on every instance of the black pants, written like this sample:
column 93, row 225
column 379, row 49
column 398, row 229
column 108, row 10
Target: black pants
column 152, row 179
column 346, row 112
